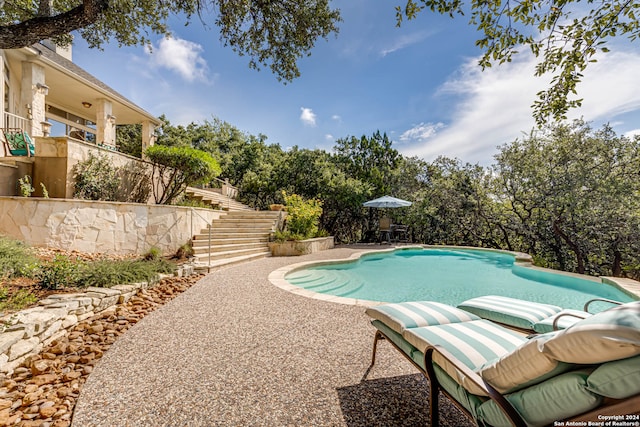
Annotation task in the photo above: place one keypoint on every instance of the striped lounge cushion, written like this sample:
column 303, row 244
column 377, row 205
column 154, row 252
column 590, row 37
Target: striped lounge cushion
column 474, row 343
column 610, row 335
column 510, row 311
column 405, row 315
column 568, row 318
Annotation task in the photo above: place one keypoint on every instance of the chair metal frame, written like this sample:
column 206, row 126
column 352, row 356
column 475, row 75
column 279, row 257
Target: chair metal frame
column 8, row 143
column 628, row 406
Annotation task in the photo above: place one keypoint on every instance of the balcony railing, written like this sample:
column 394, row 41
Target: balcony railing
column 15, row 122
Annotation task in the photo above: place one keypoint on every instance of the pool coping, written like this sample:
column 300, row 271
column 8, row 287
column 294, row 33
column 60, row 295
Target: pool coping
column 277, row 277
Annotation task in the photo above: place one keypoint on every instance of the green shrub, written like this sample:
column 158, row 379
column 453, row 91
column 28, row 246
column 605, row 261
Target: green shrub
column 61, row 272
column 286, row 235
column 193, row 203
column 135, row 186
column 152, row 254
column 179, row 167
column 17, row 301
column 16, row 259
column 303, row 216
column 96, row 179
column 185, row 251
column 105, row 273
column 45, row 192
column 25, row 186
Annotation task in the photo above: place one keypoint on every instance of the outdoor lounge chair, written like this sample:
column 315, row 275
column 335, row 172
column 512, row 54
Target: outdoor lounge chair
column 18, row 143
column 527, row 315
column 499, row 377
column 384, row 230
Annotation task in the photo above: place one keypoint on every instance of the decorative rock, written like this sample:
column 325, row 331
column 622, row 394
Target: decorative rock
column 44, row 379
column 7, row 339
column 96, row 328
column 59, row 348
column 51, row 330
column 69, row 376
column 41, row 390
column 48, row 412
column 23, row 347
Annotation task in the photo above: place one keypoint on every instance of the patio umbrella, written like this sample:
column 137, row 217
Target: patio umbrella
column 386, row 202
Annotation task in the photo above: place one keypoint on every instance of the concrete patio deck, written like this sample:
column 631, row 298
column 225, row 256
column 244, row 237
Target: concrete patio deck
column 235, row 350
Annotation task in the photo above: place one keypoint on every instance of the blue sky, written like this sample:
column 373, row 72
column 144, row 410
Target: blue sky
column 419, row 83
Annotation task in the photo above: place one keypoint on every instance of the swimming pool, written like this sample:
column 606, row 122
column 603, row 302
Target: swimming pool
column 450, row 276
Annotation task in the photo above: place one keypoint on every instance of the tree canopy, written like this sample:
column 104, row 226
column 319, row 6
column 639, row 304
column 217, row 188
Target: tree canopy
column 271, row 33
column 566, row 194
column 566, row 35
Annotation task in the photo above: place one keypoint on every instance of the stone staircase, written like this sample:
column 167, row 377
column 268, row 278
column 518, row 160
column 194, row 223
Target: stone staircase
column 237, row 236
column 217, row 198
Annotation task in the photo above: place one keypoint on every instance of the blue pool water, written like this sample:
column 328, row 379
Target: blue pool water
column 449, row 276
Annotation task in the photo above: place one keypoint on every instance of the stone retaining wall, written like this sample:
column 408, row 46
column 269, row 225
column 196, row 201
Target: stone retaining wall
column 301, row 247
column 26, row 332
column 101, row 227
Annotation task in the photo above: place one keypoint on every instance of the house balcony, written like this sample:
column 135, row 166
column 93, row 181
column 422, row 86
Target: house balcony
column 13, row 121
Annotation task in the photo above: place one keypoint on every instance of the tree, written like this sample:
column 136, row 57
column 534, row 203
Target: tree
column 129, row 139
column 575, row 191
column 271, row 33
column 175, row 168
column 565, row 34
column 371, row 159
column 450, row 207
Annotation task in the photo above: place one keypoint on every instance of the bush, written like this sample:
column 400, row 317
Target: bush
column 96, row 179
column 105, row 273
column 178, row 167
column 185, row 251
column 135, row 186
column 303, row 216
column 17, row 301
column 16, row 259
column 152, row 254
column 59, row 273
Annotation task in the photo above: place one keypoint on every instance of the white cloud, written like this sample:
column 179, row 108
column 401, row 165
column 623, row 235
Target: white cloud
column 181, row 56
column 337, row 118
column 329, row 137
column 404, row 41
column 308, row 117
column 632, row 133
column 421, row 132
column 494, row 105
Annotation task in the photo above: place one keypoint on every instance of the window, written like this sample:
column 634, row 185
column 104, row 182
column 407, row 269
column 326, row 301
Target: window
column 74, row 126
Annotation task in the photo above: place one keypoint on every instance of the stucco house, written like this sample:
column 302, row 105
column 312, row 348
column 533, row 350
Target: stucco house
column 66, row 111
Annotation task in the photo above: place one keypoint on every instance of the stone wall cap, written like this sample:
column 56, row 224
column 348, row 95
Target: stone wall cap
column 7, row 339
column 105, row 291
column 124, row 288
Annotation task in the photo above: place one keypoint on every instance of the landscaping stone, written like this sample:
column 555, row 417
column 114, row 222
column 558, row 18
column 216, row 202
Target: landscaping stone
column 43, row 389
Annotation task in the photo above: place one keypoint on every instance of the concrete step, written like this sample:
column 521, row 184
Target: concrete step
column 216, row 199
column 231, row 254
column 237, row 230
column 231, row 234
column 240, row 239
column 204, row 266
column 245, row 223
column 253, row 214
column 226, row 248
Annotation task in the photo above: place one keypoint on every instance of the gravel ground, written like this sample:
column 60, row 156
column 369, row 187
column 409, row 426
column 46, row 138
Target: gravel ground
column 234, row 350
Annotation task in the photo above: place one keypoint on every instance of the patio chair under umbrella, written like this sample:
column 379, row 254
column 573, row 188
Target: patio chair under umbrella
column 386, row 229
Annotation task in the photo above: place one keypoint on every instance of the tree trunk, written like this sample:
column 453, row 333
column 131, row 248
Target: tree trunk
column 33, row 30
column 574, row 247
column 617, row 263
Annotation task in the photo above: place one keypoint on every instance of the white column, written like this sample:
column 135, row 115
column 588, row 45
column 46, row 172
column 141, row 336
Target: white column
column 105, row 123
column 32, row 96
column 148, row 135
